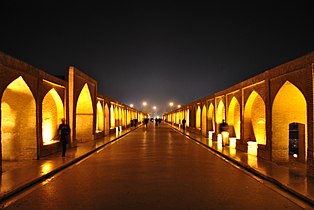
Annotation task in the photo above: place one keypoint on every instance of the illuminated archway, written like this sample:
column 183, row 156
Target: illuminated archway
column 198, row 118
column 107, row 119
column 220, row 113
column 52, row 113
column 18, row 122
column 234, row 118
column 84, row 116
column 187, row 117
column 100, row 118
column 204, row 121
column 112, row 117
column 211, row 118
column 289, row 106
column 254, row 119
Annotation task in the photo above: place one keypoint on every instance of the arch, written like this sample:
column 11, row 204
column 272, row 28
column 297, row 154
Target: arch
column 198, row 118
column 52, row 113
column 254, row 119
column 187, row 117
column 107, row 119
column 100, row 118
column 84, row 116
column 18, row 122
column 234, row 118
column 211, row 118
column 285, row 111
column 220, row 113
column 112, row 117
column 204, row 121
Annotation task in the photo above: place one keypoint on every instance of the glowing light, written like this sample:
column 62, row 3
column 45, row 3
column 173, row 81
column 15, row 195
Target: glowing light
column 219, row 139
column 232, row 142
column 225, row 137
column 171, row 104
column 131, row 105
column 252, row 148
column 154, row 107
column 232, row 151
column 210, row 134
column 179, row 106
column 46, row 168
column 295, row 155
column 47, row 132
column 210, row 142
column 117, row 129
column 144, row 103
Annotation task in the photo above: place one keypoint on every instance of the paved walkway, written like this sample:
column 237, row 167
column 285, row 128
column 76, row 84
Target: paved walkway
column 290, row 177
column 19, row 175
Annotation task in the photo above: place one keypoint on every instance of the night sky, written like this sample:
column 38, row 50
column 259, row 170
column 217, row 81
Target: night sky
column 157, row 51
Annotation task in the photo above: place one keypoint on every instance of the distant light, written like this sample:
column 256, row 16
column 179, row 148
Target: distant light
column 171, row 104
column 131, row 105
column 154, row 107
column 179, row 106
column 144, row 103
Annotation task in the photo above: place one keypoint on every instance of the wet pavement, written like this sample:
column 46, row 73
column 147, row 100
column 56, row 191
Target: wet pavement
column 17, row 176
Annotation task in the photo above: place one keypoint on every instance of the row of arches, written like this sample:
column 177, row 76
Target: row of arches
column 20, row 137
column 248, row 120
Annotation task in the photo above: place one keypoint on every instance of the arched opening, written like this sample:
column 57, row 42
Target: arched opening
column 84, row 116
column 112, row 117
column 107, row 119
column 18, row 122
column 220, row 113
column 100, row 118
column 254, row 119
column 234, row 118
column 211, row 118
column 187, row 117
column 204, row 121
column 289, row 107
column 198, row 118
column 116, row 115
column 52, row 113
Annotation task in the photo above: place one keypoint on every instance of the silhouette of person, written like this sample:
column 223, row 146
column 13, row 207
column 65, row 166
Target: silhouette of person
column 146, row 122
column 64, row 132
column 183, row 123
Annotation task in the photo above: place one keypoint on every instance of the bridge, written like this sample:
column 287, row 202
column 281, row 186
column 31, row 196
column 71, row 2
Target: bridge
column 259, row 111
column 270, row 115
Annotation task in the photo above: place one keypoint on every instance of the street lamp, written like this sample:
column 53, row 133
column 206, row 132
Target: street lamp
column 131, row 105
column 179, row 106
column 171, row 104
column 154, row 107
column 144, row 103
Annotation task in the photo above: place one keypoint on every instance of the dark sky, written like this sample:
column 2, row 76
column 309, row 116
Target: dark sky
column 158, row 51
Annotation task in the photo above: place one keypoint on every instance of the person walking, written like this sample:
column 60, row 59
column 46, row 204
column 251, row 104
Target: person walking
column 64, row 133
column 183, row 123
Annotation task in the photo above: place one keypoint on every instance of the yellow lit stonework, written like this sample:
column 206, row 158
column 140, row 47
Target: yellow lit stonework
column 198, row 117
column 234, row 116
column 220, row 113
column 100, row 118
column 18, row 122
column 211, row 118
column 84, row 116
column 289, row 106
column 112, row 117
column 52, row 113
column 255, row 118
column 204, row 121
